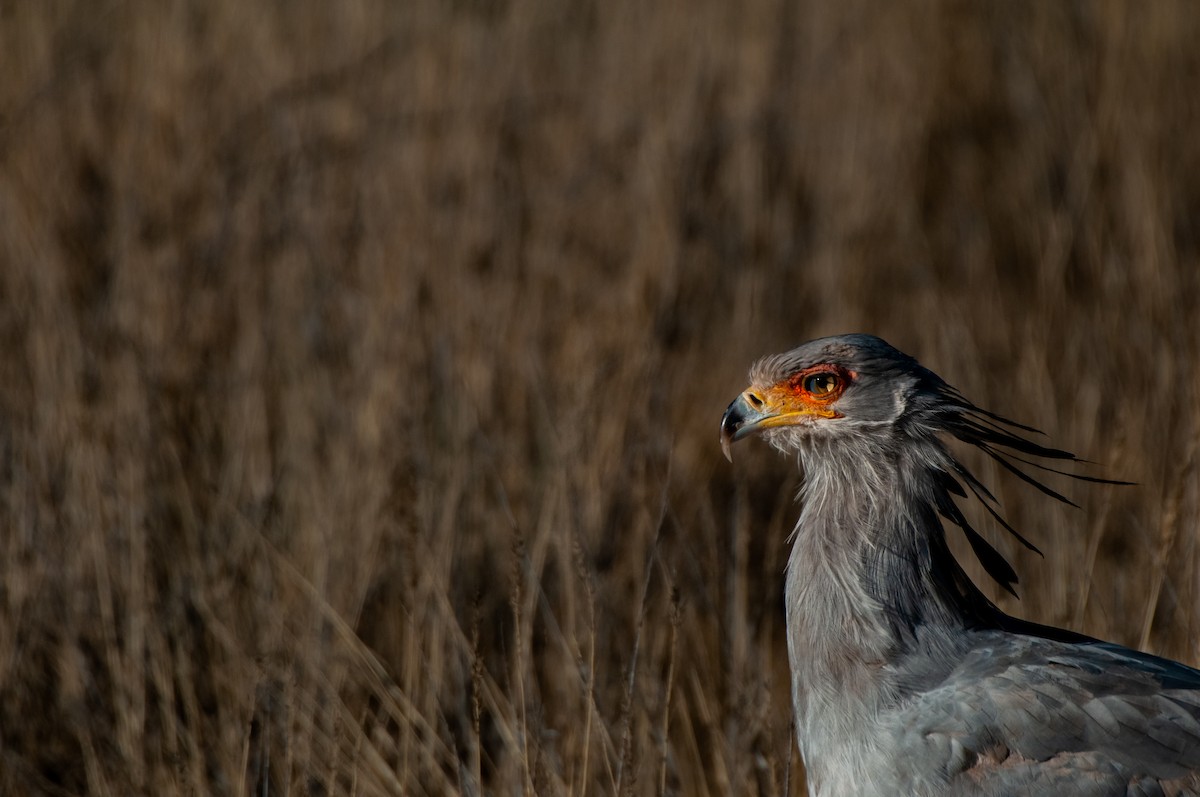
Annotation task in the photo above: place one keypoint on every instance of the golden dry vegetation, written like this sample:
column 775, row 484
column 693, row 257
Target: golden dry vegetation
column 361, row 364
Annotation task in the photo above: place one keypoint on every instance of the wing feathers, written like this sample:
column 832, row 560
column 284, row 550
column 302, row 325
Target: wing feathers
column 1067, row 713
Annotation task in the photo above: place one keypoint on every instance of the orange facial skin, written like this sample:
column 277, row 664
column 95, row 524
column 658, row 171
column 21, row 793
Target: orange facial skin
column 809, row 392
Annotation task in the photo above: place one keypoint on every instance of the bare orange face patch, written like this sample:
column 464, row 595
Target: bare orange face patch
column 809, row 392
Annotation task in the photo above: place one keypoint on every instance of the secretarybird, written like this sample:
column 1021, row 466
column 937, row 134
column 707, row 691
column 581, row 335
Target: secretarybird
column 906, row 679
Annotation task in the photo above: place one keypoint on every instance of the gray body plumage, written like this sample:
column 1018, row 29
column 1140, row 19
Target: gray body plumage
column 905, row 678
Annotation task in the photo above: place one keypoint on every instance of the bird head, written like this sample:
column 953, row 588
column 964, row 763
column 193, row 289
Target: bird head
column 847, row 386
column 844, row 391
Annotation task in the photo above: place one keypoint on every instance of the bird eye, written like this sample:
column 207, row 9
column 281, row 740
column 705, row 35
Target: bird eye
column 822, row 385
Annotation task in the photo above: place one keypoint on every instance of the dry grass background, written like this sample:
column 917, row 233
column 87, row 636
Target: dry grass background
column 361, row 364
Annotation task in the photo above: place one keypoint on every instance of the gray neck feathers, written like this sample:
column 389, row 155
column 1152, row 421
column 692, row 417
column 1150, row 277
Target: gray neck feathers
column 870, row 577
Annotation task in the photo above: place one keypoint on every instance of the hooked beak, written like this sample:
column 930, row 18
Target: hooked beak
column 740, row 420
